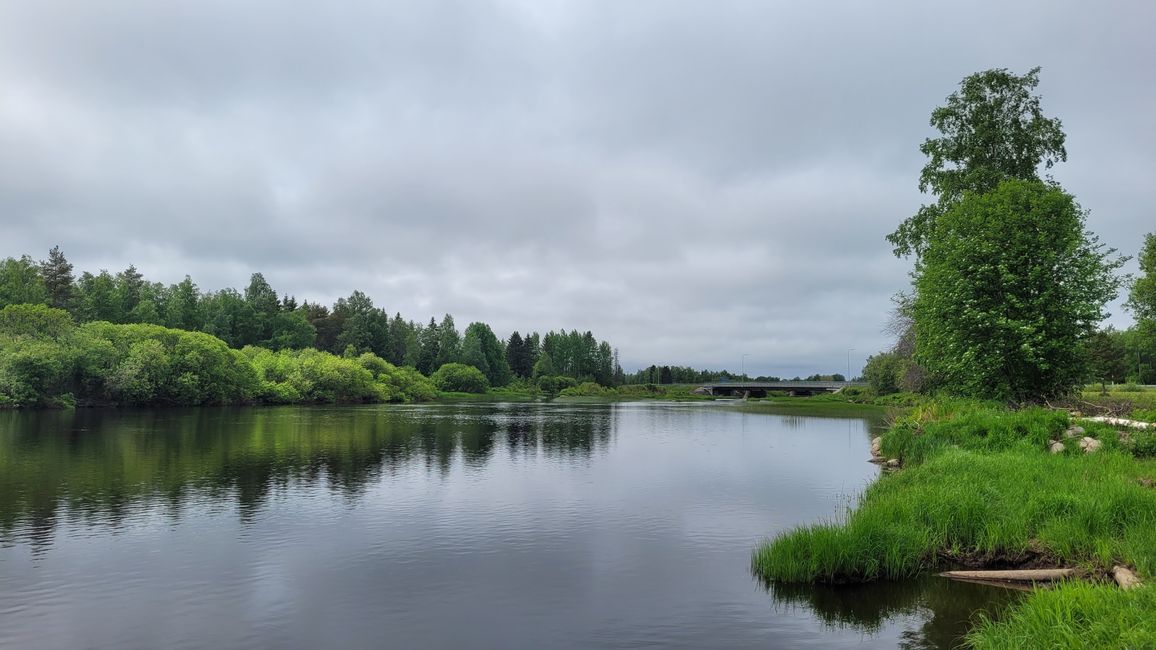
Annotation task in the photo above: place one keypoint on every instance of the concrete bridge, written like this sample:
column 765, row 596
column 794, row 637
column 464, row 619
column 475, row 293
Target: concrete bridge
column 761, row 388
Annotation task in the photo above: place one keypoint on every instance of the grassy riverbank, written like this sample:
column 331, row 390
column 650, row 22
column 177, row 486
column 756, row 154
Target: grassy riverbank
column 979, row 488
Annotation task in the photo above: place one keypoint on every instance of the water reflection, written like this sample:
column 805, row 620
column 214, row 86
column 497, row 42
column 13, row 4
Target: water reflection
column 537, row 526
column 98, row 466
column 933, row 612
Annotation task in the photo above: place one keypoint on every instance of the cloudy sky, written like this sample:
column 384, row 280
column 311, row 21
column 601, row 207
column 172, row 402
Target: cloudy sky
column 693, row 181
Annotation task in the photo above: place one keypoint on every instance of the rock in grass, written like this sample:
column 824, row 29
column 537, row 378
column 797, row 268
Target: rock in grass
column 894, row 462
column 1074, row 432
column 1090, row 445
column 1056, row 447
column 1125, row 578
column 877, row 446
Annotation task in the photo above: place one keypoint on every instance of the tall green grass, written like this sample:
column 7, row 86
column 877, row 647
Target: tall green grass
column 970, row 425
column 1074, row 615
column 996, row 508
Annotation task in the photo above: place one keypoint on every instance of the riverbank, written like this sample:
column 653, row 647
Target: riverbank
column 979, row 488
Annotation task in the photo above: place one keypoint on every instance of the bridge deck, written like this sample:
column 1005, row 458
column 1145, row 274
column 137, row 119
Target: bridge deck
column 761, row 388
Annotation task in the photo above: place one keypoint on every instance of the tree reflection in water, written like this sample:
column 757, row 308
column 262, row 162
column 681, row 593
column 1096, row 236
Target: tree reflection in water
column 934, row 612
column 99, row 466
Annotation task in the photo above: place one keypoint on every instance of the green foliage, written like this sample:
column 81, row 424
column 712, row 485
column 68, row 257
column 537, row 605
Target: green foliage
column 34, row 372
column 1105, row 358
column 1073, row 615
column 1142, row 297
column 35, row 321
column 95, row 298
column 150, row 364
column 544, row 367
column 519, row 355
column 481, row 349
column 20, row 282
column 259, row 317
column 587, row 389
column 314, row 376
column 56, row 272
column 992, row 130
column 1009, row 286
column 553, row 384
column 884, row 371
column 460, row 378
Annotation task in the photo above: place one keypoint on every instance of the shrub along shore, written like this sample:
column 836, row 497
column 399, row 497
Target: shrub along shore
column 979, row 488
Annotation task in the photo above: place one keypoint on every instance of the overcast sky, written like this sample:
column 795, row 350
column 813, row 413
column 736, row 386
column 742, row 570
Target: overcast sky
column 693, row 181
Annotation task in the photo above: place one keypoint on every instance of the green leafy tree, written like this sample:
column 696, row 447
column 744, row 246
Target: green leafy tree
column 229, row 317
column 993, row 129
column 20, row 282
column 544, row 366
column 1009, row 286
column 480, row 338
column 365, row 328
column 263, row 300
column 1106, row 360
column 182, row 306
column 1142, row 297
column 95, row 298
column 883, row 372
column 57, row 274
column 460, row 378
column 35, row 321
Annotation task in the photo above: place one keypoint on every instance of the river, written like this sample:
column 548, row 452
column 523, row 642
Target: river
column 436, row 526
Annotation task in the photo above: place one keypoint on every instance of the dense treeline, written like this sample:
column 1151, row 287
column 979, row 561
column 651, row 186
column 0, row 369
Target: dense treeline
column 48, row 360
column 281, row 332
column 686, row 375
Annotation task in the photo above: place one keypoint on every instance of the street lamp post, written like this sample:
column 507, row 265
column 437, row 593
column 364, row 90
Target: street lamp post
column 849, row 351
column 743, row 366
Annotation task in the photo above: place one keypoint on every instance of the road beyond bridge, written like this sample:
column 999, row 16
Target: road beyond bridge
column 761, row 388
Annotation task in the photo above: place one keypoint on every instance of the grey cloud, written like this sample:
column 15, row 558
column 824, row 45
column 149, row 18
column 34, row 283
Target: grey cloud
column 692, row 181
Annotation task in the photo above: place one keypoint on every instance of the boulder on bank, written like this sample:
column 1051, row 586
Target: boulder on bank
column 1125, row 578
column 1056, row 447
column 1074, row 431
column 1090, row 445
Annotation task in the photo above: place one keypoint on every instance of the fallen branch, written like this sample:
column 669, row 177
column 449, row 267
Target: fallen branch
column 1013, row 575
column 1120, row 422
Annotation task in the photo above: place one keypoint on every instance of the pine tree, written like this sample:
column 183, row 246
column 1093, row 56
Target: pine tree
column 56, row 272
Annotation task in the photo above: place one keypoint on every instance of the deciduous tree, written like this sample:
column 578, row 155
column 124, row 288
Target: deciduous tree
column 1009, row 285
column 993, row 129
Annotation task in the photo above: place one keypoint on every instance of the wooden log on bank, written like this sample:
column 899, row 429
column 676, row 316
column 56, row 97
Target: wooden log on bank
column 1013, row 575
column 1125, row 578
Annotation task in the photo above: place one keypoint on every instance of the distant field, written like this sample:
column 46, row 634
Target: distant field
column 1128, row 399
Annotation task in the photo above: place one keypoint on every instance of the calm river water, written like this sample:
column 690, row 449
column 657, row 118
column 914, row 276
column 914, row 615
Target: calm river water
column 443, row 526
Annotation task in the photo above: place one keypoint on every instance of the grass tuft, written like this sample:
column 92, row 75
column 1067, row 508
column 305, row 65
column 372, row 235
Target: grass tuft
column 1073, row 615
